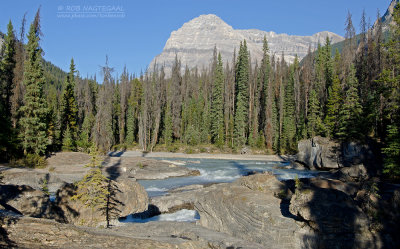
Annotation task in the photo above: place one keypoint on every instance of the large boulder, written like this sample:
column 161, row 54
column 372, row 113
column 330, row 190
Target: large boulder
column 324, row 154
column 319, row 153
column 251, row 210
column 24, row 200
column 337, row 220
column 127, row 197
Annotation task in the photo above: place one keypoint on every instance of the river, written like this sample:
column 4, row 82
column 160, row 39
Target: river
column 212, row 171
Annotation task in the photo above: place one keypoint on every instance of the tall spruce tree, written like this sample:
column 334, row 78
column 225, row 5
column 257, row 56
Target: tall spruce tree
column 69, row 109
column 333, row 107
column 241, row 82
column 7, row 66
column 351, row 111
column 314, row 123
column 268, row 96
column 33, row 121
column 217, row 107
column 289, row 122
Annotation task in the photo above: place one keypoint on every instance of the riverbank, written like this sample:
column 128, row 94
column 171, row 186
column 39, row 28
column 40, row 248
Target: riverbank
column 132, row 153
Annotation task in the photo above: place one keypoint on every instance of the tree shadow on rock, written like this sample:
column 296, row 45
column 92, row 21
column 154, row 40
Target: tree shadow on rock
column 6, row 219
column 113, row 171
column 111, row 210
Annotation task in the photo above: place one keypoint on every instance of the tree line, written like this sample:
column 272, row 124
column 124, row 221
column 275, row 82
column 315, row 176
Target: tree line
column 352, row 94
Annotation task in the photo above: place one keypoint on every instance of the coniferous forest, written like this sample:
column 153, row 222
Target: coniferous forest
column 351, row 93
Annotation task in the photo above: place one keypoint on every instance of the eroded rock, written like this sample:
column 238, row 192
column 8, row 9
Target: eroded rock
column 127, row 197
column 24, row 200
column 250, row 209
column 337, row 220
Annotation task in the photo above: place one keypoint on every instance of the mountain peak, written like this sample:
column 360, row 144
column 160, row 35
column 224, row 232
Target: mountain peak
column 204, row 21
column 194, row 43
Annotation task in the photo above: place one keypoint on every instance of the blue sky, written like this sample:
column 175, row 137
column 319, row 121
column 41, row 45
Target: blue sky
column 142, row 27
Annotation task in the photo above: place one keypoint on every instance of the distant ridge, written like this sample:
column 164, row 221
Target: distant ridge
column 195, row 40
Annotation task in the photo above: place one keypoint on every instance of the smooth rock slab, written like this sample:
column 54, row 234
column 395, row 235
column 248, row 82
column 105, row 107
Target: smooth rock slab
column 249, row 209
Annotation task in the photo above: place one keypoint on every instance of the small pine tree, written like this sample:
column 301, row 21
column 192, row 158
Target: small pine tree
column 84, row 141
column 68, row 143
column 92, row 190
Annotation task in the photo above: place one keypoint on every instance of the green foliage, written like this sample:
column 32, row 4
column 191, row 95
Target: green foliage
column 7, row 66
column 68, row 143
column 217, row 108
column 44, row 185
column 315, row 124
column 351, row 110
column 390, row 90
column 392, row 152
column 69, row 111
column 33, row 122
column 334, row 106
column 192, row 136
column 84, row 141
column 31, row 161
column 168, row 126
column 242, row 79
column 298, row 185
column 289, row 122
column 92, row 190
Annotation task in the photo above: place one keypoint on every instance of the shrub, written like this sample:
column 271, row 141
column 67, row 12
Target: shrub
column 31, row 161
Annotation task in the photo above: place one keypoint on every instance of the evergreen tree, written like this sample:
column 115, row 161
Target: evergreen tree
column 68, row 143
column 84, row 141
column 217, row 108
column 289, row 122
column 390, row 91
column 242, row 78
column 351, row 110
column 134, row 103
column 268, row 96
column 7, row 66
column 328, row 67
column 333, row 106
column 168, row 120
column 93, row 189
column 392, row 151
column 69, row 107
column 33, row 132
column 314, row 119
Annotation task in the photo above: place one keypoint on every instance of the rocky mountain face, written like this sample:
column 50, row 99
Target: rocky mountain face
column 194, row 42
column 387, row 18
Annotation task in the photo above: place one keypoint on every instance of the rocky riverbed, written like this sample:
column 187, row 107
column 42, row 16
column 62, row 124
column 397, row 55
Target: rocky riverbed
column 339, row 210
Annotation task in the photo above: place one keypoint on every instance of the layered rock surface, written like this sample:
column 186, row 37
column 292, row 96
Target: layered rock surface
column 26, row 232
column 250, row 209
column 194, row 42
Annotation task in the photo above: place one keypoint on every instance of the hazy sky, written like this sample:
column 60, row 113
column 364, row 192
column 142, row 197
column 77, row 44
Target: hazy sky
column 132, row 32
